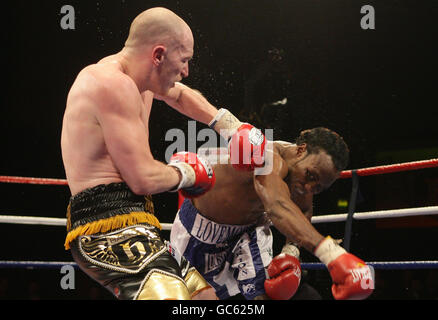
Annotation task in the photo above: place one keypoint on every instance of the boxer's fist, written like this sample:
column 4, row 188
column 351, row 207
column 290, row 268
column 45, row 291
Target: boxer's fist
column 285, row 276
column 352, row 278
column 197, row 174
column 246, row 143
column 247, row 148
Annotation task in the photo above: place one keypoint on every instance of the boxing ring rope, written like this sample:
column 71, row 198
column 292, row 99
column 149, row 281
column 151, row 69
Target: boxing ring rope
column 41, row 181
column 407, row 166
column 396, row 213
column 392, row 168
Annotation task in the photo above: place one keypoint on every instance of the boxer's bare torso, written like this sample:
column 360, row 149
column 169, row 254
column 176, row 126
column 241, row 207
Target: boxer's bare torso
column 234, row 200
column 86, row 157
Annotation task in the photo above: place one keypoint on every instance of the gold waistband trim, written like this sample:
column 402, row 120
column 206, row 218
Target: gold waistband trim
column 111, row 223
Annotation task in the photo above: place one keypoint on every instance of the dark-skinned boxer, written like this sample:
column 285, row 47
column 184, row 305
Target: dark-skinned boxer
column 225, row 233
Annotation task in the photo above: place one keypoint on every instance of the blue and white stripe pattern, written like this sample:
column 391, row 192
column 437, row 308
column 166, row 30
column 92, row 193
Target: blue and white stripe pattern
column 232, row 258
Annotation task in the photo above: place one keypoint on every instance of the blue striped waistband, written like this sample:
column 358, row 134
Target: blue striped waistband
column 204, row 229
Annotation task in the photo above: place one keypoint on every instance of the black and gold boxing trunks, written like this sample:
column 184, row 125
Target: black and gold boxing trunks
column 115, row 238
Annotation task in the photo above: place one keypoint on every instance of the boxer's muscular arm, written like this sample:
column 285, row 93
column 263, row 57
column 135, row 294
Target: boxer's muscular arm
column 286, row 216
column 306, row 206
column 126, row 138
column 289, row 219
column 190, row 103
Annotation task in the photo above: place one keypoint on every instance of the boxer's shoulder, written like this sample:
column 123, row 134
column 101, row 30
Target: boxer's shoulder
column 280, row 146
column 105, row 85
column 105, row 78
column 275, row 155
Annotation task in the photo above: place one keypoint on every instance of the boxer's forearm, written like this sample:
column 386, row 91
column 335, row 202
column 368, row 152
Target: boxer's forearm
column 286, row 216
column 291, row 222
column 151, row 178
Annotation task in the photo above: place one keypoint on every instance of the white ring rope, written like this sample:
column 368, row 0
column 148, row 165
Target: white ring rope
column 396, row 213
column 393, row 213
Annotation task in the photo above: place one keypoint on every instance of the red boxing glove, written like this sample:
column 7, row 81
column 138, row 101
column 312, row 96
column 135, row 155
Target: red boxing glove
column 246, row 144
column 285, row 276
column 197, row 175
column 247, row 148
column 352, row 278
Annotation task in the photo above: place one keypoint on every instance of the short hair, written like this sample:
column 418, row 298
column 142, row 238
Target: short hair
column 333, row 144
column 155, row 26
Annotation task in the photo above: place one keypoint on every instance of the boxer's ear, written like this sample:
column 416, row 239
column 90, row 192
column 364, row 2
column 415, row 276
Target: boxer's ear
column 301, row 150
column 158, row 55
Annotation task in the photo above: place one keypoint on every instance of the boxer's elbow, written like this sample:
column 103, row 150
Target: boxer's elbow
column 139, row 186
column 141, row 182
column 276, row 208
column 153, row 178
column 272, row 201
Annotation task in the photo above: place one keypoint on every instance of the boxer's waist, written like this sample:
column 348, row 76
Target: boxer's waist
column 105, row 208
column 204, row 229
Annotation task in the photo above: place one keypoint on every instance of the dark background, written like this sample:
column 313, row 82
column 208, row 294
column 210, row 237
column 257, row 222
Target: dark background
column 377, row 88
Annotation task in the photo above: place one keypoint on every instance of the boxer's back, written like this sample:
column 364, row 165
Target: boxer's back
column 86, row 159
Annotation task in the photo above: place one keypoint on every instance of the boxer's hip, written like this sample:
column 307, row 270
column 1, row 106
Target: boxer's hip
column 131, row 262
column 115, row 238
column 205, row 230
column 106, row 208
column 232, row 254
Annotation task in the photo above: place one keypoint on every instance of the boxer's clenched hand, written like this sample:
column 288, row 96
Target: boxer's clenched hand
column 197, row 175
column 285, row 276
column 246, row 143
column 352, row 278
column 247, row 148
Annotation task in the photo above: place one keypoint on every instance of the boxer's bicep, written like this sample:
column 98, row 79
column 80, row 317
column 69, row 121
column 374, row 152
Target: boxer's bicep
column 189, row 102
column 125, row 135
column 271, row 190
column 271, row 187
column 286, row 216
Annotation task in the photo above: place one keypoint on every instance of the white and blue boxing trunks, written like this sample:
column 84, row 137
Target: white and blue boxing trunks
column 232, row 258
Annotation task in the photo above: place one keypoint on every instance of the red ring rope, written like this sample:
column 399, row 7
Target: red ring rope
column 392, row 168
column 25, row 180
column 344, row 174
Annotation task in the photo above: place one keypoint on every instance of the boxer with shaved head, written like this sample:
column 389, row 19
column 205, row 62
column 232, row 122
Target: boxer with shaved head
column 113, row 233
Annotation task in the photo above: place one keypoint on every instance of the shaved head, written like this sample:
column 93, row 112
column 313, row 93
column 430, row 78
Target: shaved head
column 158, row 50
column 157, row 26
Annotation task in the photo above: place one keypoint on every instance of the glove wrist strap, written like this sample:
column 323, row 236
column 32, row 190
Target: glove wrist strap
column 225, row 123
column 328, row 250
column 290, row 249
column 188, row 176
